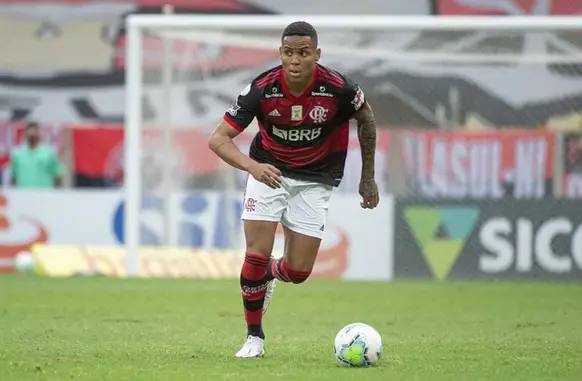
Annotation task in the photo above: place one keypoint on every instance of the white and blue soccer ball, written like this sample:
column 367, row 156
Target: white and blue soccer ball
column 358, row 345
column 24, row 262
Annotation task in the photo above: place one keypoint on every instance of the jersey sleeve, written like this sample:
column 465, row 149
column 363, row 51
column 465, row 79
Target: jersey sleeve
column 353, row 96
column 245, row 108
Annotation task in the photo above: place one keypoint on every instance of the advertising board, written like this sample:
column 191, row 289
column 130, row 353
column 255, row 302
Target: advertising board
column 357, row 244
column 488, row 239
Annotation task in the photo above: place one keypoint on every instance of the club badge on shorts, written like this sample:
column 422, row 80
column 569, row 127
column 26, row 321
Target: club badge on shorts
column 296, row 113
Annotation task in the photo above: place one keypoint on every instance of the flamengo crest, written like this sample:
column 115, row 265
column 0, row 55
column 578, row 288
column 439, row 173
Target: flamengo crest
column 318, row 114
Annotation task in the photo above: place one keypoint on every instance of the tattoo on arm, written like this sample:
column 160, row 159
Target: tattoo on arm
column 367, row 138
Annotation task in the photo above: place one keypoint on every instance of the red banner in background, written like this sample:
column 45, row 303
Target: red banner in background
column 449, row 164
column 437, row 163
column 99, row 152
column 479, row 164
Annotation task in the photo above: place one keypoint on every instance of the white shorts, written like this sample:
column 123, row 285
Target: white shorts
column 300, row 206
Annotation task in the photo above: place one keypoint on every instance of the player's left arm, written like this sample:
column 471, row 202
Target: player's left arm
column 367, row 136
column 364, row 115
column 367, row 139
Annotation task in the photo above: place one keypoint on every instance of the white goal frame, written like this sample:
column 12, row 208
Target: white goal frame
column 135, row 24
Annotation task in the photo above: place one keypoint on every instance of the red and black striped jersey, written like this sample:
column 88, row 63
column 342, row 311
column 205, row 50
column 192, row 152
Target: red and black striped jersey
column 306, row 136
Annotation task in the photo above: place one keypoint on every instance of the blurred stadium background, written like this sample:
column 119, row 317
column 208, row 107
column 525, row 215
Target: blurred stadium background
column 479, row 163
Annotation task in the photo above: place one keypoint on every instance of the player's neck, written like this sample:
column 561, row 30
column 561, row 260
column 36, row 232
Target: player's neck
column 297, row 88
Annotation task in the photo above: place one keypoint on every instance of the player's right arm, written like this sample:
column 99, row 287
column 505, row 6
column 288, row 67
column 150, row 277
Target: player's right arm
column 235, row 121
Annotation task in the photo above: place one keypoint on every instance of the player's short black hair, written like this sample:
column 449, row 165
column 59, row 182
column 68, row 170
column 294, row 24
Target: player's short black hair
column 300, row 28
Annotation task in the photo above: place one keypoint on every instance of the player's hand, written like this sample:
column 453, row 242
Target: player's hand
column 267, row 174
column 369, row 192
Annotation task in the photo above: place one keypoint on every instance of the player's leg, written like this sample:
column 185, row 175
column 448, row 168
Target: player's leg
column 300, row 255
column 304, row 223
column 263, row 208
column 260, row 237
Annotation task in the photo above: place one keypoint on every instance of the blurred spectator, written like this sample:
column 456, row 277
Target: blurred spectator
column 34, row 164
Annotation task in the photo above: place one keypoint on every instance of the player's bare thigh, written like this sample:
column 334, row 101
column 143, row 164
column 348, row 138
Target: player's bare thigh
column 300, row 250
column 260, row 236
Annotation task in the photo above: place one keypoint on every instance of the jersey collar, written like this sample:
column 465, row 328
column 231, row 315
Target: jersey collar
column 305, row 92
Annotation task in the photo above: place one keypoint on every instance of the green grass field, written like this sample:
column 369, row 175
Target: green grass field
column 169, row 330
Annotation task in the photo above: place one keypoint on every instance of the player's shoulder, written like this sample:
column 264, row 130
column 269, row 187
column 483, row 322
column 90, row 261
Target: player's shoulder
column 255, row 90
column 269, row 77
column 334, row 78
column 341, row 86
column 264, row 85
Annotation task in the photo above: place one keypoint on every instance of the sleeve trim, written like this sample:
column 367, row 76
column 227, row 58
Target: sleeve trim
column 233, row 124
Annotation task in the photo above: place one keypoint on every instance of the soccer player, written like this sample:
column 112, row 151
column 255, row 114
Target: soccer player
column 303, row 111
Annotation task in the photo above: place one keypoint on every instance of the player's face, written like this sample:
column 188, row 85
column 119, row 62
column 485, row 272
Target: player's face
column 298, row 57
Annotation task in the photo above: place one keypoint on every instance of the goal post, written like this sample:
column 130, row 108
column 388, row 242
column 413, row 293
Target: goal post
column 261, row 33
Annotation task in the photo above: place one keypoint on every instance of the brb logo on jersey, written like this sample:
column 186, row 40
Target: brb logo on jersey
column 318, row 114
column 297, row 134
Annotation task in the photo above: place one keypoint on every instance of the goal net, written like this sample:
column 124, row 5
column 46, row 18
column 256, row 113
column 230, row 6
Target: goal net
column 420, row 74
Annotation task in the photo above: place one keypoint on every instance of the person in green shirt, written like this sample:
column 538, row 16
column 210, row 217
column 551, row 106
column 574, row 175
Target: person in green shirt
column 34, row 164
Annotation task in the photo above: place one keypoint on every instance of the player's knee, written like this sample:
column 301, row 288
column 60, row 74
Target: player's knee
column 299, row 267
column 298, row 276
column 302, row 263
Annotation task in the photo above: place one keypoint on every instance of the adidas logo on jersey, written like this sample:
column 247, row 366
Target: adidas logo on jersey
column 274, row 113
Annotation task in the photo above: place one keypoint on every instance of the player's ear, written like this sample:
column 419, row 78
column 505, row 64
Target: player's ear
column 318, row 54
column 280, row 51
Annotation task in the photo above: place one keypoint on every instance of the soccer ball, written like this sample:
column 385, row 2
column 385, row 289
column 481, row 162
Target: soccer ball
column 24, row 262
column 357, row 345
